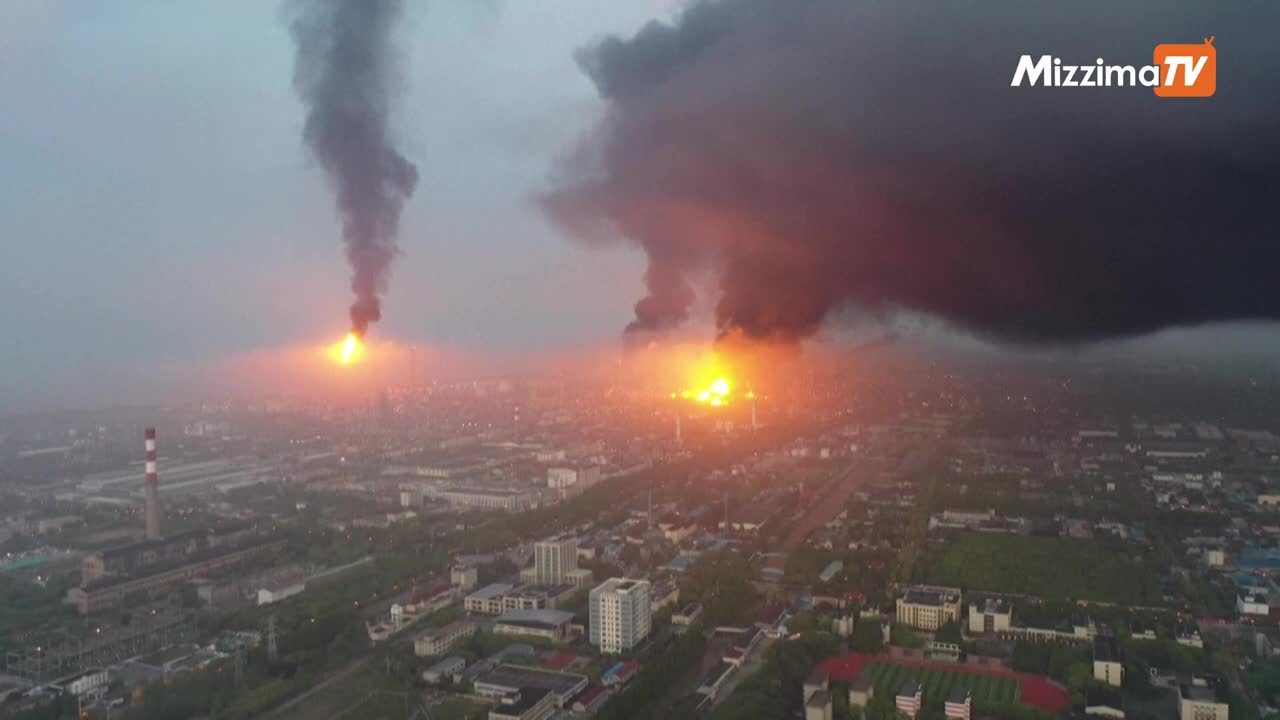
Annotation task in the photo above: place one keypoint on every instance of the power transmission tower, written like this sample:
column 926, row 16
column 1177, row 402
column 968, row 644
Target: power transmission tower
column 272, row 647
column 239, row 665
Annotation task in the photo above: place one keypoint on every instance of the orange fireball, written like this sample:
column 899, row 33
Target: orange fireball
column 350, row 350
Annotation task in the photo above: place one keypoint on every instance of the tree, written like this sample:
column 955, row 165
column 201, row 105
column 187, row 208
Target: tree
column 840, row 707
column 950, row 632
column 775, row 691
column 868, row 637
column 903, row 636
column 1079, row 676
column 1031, row 657
column 721, row 581
column 881, row 707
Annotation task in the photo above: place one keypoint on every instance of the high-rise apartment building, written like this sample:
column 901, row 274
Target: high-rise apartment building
column 554, row 559
column 620, row 617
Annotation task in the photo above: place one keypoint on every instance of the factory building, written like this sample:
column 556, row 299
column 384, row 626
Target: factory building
column 157, row 562
column 110, row 590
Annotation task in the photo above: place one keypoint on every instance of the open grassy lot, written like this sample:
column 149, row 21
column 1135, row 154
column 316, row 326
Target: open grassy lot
column 1049, row 567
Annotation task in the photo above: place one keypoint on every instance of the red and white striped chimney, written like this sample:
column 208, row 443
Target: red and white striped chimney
column 153, row 488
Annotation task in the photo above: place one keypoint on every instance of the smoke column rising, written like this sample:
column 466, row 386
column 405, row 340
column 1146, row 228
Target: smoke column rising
column 346, row 75
column 818, row 155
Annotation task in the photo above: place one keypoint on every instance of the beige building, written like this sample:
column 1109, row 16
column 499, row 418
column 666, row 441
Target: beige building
column 439, row 641
column 818, row 706
column 861, row 691
column 928, row 607
column 1201, row 702
column 488, row 600
column 1108, row 667
column 817, row 695
column 990, row 615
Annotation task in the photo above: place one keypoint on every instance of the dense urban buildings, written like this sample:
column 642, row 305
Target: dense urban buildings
column 667, row 359
column 733, row 546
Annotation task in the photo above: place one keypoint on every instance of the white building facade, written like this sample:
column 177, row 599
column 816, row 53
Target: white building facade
column 620, row 614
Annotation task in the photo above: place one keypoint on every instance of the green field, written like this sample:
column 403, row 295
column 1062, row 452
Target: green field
column 888, row 679
column 1053, row 568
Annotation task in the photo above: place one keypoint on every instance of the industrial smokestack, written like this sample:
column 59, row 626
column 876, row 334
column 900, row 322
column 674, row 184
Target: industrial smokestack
column 153, row 488
column 679, row 436
column 755, row 424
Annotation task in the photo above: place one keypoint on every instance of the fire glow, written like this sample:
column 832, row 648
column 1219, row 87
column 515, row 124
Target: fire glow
column 349, row 351
column 711, row 384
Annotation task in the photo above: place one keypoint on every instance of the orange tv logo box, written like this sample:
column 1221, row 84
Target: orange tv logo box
column 1188, row 70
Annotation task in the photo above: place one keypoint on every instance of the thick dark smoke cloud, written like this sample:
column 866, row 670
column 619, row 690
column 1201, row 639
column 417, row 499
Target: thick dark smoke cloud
column 820, row 154
column 346, row 74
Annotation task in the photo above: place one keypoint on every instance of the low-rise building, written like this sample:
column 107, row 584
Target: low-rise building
column 664, row 594
column 506, row 680
column 1189, row 636
column 465, row 578
column 276, row 592
column 861, row 691
column 818, row 706
column 449, row 668
column 487, row 600
column 909, row 699
column 1200, row 700
column 550, row 625
column 1253, row 603
column 713, row 682
column 959, row 704
column 505, row 500
column 525, row 704
column 990, row 615
column 591, row 700
column 89, row 683
column 928, row 607
column 687, row 615
column 1104, row 702
column 107, row 590
column 439, row 641
column 1108, row 666
column 620, row 673
column 818, row 679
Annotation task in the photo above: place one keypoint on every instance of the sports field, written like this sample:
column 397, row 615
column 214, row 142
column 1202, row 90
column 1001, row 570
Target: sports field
column 989, row 686
column 938, row 683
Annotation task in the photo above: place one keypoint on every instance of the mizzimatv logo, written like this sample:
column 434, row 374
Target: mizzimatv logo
column 1176, row 71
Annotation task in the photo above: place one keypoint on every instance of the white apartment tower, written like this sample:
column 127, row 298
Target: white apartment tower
column 620, row 617
column 555, row 560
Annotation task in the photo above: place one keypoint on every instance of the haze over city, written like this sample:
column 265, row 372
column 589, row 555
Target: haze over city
column 164, row 221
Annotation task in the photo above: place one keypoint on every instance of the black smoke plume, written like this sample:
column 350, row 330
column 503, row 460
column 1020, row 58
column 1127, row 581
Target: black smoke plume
column 812, row 155
column 346, row 75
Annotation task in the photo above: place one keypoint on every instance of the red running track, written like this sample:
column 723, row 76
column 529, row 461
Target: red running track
column 1036, row 690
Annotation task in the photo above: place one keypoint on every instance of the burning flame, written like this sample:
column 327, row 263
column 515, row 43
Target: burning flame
column 711, row 380
column 350, row 350
column 715, row 394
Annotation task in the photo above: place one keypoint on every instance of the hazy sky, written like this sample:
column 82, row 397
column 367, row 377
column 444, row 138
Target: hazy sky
column 157, row 206
column 158, row 209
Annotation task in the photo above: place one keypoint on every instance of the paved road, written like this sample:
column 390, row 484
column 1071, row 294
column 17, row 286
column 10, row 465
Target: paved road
column 750, row 664
column 835, row 495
